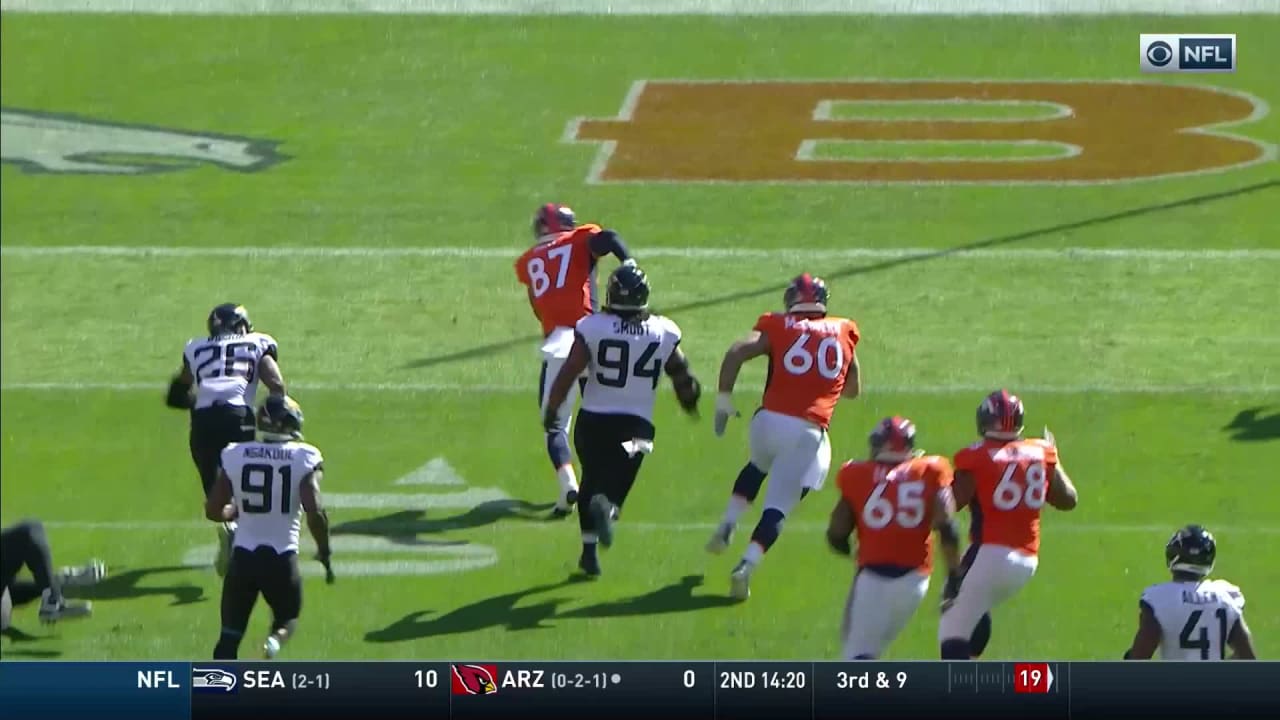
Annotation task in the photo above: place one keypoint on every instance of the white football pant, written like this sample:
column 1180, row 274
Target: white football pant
column 795, row 453
column 997, row 574
column 878, row 609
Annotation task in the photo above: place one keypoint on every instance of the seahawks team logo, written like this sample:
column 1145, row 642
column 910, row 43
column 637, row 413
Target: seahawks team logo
column 41, row 142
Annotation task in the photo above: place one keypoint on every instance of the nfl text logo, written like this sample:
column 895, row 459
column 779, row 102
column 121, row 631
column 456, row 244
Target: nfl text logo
column 1187, row 53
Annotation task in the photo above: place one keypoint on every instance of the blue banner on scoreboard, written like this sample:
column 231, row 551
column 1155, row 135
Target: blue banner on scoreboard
column 101, row 691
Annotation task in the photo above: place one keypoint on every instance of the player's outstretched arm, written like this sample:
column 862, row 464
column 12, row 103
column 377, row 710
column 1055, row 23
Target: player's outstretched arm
column 579, row 358
column 1241, row 642
column 754, row 345
column 853, row 383
column 269, row 371
column 179, row 396
column 1062, row 492
column 218, row 507
column 841, row 526
column 688, row 389
column 317, row 517
column 1147, row 638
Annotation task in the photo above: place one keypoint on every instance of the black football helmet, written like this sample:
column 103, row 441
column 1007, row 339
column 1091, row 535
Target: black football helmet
column 229, row 318
column 552, row 218
column 806, row 294
column 893, row 440
column 1000, row 416
column 628, row 289
column 280, row 415
column 1191, row 550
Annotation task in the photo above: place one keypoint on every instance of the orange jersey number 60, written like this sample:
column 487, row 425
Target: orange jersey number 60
column 828, row 359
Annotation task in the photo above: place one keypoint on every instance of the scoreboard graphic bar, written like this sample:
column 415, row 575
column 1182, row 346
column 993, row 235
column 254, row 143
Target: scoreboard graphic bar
column 482, row 690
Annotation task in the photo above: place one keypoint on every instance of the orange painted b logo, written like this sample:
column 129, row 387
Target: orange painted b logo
column 766, row 131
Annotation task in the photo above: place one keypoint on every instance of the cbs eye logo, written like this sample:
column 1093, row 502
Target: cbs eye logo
column 1159, row 53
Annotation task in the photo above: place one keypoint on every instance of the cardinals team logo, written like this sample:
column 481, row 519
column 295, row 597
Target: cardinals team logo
column 474, row 679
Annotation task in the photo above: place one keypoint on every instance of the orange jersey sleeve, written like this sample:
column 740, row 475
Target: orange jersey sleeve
column 560, row 275
column 1011, row 485
column 809, row 362
column 894, row 506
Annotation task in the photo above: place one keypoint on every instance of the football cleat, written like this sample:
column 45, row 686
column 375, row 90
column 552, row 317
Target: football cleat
column 229, row 319
column 720, row 539
column 54, row 607
column 271, row 647
column 1000, row 416
column 590, row 565
column 893, row 440
column 1191, row 550
column 628, row 289
column 604, row 513
column 740, row 581
column 552, row 219
column 89, row 574
column 806, row 294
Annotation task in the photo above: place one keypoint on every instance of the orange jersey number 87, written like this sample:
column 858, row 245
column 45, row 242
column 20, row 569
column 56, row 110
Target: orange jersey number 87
column 1009, row 493
column 539, row 279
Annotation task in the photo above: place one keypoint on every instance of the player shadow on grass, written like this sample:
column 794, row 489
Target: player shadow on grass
column 498, row 611
column 1251, row 425
column 890, row 264
column 405, row 525
column 673, row 598
column 17, row 636
column 124, row 586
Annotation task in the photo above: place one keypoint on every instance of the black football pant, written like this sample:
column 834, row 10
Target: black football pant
column 213, row 429
column 263, row 571
column 26, row 545
column 606, row 468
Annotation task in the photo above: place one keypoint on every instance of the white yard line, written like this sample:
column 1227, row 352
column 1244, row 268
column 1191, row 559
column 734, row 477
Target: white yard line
column 710, row 253
column 649, row 7
column 1067, row 526
column 872, row 390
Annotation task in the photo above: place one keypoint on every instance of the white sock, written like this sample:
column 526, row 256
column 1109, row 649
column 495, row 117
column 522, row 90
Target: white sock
column 568, row 478
column 754, row 554
column 737, row 506
column 589, row 539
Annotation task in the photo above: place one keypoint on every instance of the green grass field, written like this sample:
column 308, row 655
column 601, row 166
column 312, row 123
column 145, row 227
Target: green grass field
column 1136, row 318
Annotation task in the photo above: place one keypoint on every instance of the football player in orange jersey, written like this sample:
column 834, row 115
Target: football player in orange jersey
column 1005, row 480
column 559, row 273
column 894, row 501
column 812, row 364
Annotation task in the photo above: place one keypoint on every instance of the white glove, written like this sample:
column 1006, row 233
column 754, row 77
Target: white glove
column 724, row 410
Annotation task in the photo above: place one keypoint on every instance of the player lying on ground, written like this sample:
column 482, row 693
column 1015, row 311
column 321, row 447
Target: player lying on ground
column 224, row 369
column 1191, row 617
column 812, row 364
column 25, row 544
column 559, row 273
column 894, row 500
column 624, row 350
column 277, row 479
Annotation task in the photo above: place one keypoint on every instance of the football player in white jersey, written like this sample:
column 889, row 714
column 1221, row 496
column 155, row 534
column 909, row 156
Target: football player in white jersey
column 624, row 350
column 1191, row 617
column 267, row 485
column 218, row 383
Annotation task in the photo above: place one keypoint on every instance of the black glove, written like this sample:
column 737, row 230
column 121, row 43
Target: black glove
column 550, row 420
column 179, row 396
column 688, row 392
